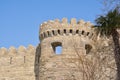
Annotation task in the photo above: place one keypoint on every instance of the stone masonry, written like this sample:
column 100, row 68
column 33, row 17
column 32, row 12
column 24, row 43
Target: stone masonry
column 85, row 54
column 17, row 64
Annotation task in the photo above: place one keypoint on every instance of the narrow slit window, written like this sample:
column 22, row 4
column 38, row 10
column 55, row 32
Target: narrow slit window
column 53, row 32
column 58, row 31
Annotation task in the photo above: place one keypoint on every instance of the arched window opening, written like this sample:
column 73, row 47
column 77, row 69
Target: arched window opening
column 71, row 31
column 88, row 33
column 65, row 31
column 41, row 36
column 48, row 33
column 44, row 34
column 58, row 31
column 53, row 32
column 57, row 47
column 77, row 31
column 82, row 32
column 88, row 48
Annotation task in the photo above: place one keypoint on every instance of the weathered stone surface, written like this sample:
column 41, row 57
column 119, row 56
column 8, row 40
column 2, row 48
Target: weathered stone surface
column 31, row 49
column 16, row 66
column 12, row 51
column 21, row 49
column 84, row 56
column 3, row 51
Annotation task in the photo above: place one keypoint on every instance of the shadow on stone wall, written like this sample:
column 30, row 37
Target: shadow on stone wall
column 36, row 63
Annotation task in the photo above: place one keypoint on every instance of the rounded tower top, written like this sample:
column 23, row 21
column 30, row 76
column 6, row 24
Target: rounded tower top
column 54, row 27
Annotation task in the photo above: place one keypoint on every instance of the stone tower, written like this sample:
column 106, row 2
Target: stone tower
column 85, row 55
column 73, row 37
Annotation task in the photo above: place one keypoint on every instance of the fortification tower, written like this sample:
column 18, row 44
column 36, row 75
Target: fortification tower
column 73, row 37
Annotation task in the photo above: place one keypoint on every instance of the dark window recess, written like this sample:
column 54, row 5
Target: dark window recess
column 71, row 31
column 57, row 47
column 88, row 33
column 65, row 31
column 44, row 34
column 10, row 60
column 53, row 32
column 58, row 31
column 41, row 36
column 82, row 32
column 48, row 33
column 88, row 48
column 77, row 31
column 24, row 59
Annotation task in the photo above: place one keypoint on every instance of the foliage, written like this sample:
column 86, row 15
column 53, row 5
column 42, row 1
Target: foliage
column 93, row 66
column 108, row 25
column 109, row 22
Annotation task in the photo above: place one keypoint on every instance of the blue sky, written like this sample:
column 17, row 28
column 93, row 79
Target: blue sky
column 20, row 19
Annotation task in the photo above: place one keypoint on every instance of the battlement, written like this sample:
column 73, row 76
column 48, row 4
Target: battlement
column 56, row 27
column 21, row 50
column 17, row 63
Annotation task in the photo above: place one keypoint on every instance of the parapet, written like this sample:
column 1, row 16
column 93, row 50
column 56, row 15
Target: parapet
column 54, row 27
column 21, row 50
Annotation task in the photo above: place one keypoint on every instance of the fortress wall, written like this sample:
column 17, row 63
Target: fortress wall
column 17, row 64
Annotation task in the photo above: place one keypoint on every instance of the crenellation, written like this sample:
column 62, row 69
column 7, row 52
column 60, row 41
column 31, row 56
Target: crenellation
column 57, row 27
column 31, row 49
column 45, row 22
column 17, row 63
column 12, row 50
column 3, row 51
column 73, row 21
column 81, row 22
column 56, row 24
column 21, row 50
column 50, row 21
column 88, row 24
column 57, row 20
column 64, row 20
